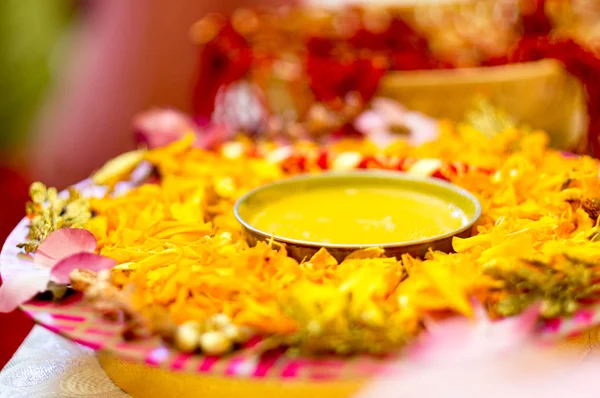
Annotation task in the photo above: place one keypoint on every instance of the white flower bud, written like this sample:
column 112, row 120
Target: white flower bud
column 215, row 343
column 187, row 336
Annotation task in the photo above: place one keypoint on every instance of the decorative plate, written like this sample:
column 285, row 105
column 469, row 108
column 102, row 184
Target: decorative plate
column 74, row 319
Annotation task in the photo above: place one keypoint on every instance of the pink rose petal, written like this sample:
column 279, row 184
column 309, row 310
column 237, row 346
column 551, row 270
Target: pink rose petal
column 60, row 253
column 61, row 244
column 375, row 128
column 524, row 371
column 213, row 135
column 369, row 121
column 461, row 358
column 389, row 110
column 422, row 128
column 161, row 127
column 22, row 287
column 458, row 339
column 90, row 261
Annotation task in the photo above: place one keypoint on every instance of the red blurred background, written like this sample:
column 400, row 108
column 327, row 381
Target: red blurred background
column 25, row 75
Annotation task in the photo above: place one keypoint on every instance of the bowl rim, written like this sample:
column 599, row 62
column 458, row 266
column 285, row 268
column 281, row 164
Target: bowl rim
column 395, row 175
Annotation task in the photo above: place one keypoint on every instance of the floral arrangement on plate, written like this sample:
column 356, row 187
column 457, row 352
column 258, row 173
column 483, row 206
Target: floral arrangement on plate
column 165, row 255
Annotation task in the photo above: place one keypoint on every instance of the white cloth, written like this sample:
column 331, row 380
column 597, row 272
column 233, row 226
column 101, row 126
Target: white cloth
column 47, row 365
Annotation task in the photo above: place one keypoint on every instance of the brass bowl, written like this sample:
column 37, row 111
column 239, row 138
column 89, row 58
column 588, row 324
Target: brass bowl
column 300, row 249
